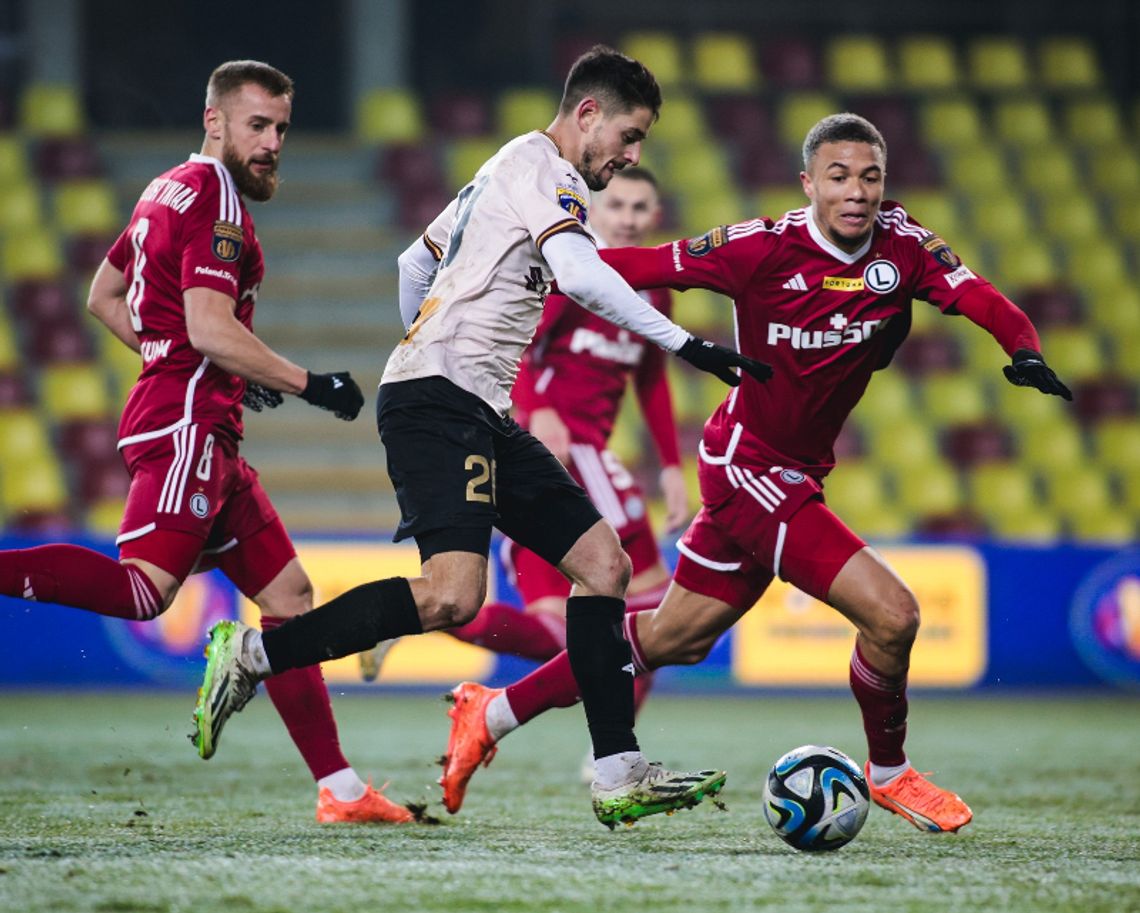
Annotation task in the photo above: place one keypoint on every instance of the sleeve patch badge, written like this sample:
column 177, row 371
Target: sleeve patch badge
column 699, row 247
column 227, row 241
column 573, row 202
column 941, row 251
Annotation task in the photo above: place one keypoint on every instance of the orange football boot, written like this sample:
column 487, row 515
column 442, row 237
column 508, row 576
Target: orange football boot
column 469, row 744
column 915, row 798
column 371, row 808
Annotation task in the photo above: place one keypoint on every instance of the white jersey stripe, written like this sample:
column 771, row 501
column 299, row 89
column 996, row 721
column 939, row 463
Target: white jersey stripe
column 707, row 562
column 767, row 482
column 740, row 481
column 193, row 439
column 170, row 483
column 780, row 536
column 132, row 534
column 187, row 413
column 597, row 484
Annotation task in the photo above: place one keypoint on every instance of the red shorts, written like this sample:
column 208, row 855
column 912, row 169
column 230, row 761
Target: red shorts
column 760, row 522
column 614, row 492
column 194, row 482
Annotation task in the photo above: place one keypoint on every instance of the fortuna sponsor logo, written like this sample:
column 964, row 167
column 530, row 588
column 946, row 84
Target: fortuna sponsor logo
column 216, row 273
column 852, row 334
column 154, row 349
column 623, row 350
column 170, row 193
column 960, row 275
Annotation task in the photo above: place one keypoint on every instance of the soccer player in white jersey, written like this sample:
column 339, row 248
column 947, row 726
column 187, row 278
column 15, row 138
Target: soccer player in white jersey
column 471, row 293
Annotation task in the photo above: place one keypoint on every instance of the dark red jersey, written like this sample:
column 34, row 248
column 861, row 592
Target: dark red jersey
column 580, row 364
column 189, row 229
column 824, row 319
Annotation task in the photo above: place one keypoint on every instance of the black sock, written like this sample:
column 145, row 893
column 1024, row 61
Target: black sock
column 354, row 621
column 602, row 662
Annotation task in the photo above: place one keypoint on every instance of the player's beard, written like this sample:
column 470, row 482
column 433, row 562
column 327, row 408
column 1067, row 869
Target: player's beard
column 256, row 187
column 594, row 179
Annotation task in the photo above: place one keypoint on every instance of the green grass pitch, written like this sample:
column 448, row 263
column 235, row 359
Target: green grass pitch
column 104, row 807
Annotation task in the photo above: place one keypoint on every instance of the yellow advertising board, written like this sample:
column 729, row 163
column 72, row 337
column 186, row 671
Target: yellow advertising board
column 789, row 638
column 434, row 658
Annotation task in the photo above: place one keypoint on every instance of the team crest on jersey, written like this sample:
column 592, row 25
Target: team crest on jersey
column 792, row 476
column 227, row 241
column 941, row 251
column 709, row 241
column 573, row 202
column 881, row 276
column 199, row 505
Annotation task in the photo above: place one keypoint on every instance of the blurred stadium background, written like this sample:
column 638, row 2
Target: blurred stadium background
column 1012, row 134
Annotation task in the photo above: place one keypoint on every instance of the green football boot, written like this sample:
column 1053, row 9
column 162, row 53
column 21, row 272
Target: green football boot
column 229, row 684
column 658, row 790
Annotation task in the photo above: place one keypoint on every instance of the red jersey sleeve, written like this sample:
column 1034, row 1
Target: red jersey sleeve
column 120, row 253
column 212, row 239
column 651, row 386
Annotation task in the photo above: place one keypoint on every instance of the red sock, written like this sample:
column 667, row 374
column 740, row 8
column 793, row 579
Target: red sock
column 883, row 702
column 302, row 702
column 81, row 578
column 505, row 629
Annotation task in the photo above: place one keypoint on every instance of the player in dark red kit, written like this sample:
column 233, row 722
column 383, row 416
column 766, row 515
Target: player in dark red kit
column 179, row 286
column 823, row 295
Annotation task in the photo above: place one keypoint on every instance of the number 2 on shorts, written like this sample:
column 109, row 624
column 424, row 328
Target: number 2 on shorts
column 484, row 473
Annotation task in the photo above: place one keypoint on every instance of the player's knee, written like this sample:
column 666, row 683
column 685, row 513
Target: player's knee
column 610, row 575
column 453, row 606
column 897, row 623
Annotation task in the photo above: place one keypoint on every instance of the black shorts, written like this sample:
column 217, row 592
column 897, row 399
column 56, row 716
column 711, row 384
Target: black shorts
column 460, row 469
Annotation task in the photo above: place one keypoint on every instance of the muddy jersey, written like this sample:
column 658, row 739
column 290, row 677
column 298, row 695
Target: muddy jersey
column 486, row 300
column 189, row 229
column 824, row 319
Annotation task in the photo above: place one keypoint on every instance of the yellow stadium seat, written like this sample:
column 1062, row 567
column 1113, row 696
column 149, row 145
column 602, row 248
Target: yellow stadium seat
column 1129, row 480
column 1035, row 525
column 723, row 62
column 977, row 170
column 33, row 487
column 953, row 399
column 1001, row 490
column 123, row 364
column 1075, row 489
column 104, row 516
column 701, row 310
column 691, row 167
column 1068, row 62
column 1100, row 257
column 1106, row 526
column 687, row 404
column 1052, row 445
column 681, row 121
column 23, row 438
column 927, row 62
column 1070, row 216
column 466, row 156
column 936, row 210
column 34, row 254
column 389, row 116
column 701, row 211
column 906, row 444
column 9, row 345
column 930, row 490
column 1117, row 443
column 522, row 110
column 1094, row 122
column 1074, row 353
column 951, row 123
column 1049, row 170
column 858, row 63
column 74, row 391
column 1127, row 356
column 1023, row 263
column 1022, row 407
column 48, row 110
column 997, row 63
column 800, row 112
column 1126, row 215
column 881, row 524
column 774, row 201
column 1114, row 168
column 86, row 207
column 13, row 161
column 660, row 52
column 887, row 399
column 1115, row 309
column 20, row 209
column 1000, row 216
column 1023, row 122
column 854, row 488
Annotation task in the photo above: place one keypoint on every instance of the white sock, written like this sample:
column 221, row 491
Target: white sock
column 618, row 769
column 881, row 776
column 254, row 651
column 501, row 718
column 345, row 785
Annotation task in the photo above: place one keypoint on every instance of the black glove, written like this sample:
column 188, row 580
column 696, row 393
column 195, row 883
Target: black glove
column 258, row 397
column 1029, row 370
column 718, row 360
column 336, row 392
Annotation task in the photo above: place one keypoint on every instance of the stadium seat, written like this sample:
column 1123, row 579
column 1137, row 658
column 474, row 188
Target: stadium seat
column 701, row 310
column 1074, row 353
column 660, row 52
column 454, row 114
column 32, row 255
column 1023, row 263
column 742, row 119
column 43, row 301
column 1116, row 442
column 949, row 123
column 1070, row 216
column 103, row 518
column 49, row 110
column 1068, row 62
column 767, row 164
column 1126, row 352
column 977, row 170
column 86, row 252
column 88, row 440
column 1128, row 480
column 850, row 444
column 1000, row 216
column 1052, row 446
column 910, row 165
column 1115, row 308
column 418, row 207
column 1125, row 213
column 1110, row 525
column 1023, row 122
column 72, row 392
column 1049, row 170
column 67, row 158
column 1001, row 490
column 1114, row 168
column 21, row 209
column 929, row 353
column 13, row 161
column 698, row 212
column 935, row 210
column 100, row 480
column 800, row 112
column 930, row 489
column 905, row 445
column 774, row 201
column 682, row 120
column 855, row 489
column 1104, row 397
column 977, row 443
column 33, row 487
column 953, row 399
column 1093, row 122
column 792, row 63
column 888, row 398
column 13, row 390
column 724, row 62
column 86, row 207
column 410, row 166
column 23, row 438
column 997, row 63
column 466, row 156
column 59, row 342
column 927, row 63
column 389, row 116
column 858, row 63
column 1072, row 490
column 1034, row 525
column 1050, row 307
column 1100, row 257
column 521, row 110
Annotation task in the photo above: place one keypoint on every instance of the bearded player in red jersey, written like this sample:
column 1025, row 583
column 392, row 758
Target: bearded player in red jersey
column 179, row 286
column 824, row 295
column 568, row 393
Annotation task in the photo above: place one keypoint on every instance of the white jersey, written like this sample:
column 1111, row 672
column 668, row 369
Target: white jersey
column 486, row 300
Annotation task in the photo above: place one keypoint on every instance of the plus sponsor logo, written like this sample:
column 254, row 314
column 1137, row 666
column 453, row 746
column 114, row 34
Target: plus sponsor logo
column 623, row 350
column 842, row 333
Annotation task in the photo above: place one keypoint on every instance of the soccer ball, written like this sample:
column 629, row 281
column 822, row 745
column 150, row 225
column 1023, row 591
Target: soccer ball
column 816, row 798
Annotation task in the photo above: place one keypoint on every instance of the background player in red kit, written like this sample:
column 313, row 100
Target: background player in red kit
column 568, row 393
column 179, row 285
column 824, row 295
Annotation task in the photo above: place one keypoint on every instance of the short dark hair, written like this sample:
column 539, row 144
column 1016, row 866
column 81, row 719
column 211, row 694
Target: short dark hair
column 233, row 74
column 620, row 83
column 637, row 173
column 840, row 128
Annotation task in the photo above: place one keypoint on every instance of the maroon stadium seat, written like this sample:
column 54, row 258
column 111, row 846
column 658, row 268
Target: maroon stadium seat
column 42, row 524
column 929, row 353
column 1105, row 397
column 460, row 114
column 849, row 445
column 1054, row 306
column 410, row 167
column 45, row 301
column 980, row 442
column 767, row 165
column 13, row 391
column 419, row 207
column 743, row 119
column 86, row 252
column 791, row 63
column 60, row 341
column 910, row 165
column 58, row 159
column 103, row 480
column 87, row 441
column 891, row 114
column 959, row 525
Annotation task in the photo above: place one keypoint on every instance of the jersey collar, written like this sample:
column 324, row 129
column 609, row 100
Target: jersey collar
column 557, row 148
column 837, row 253
column 198, row 157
